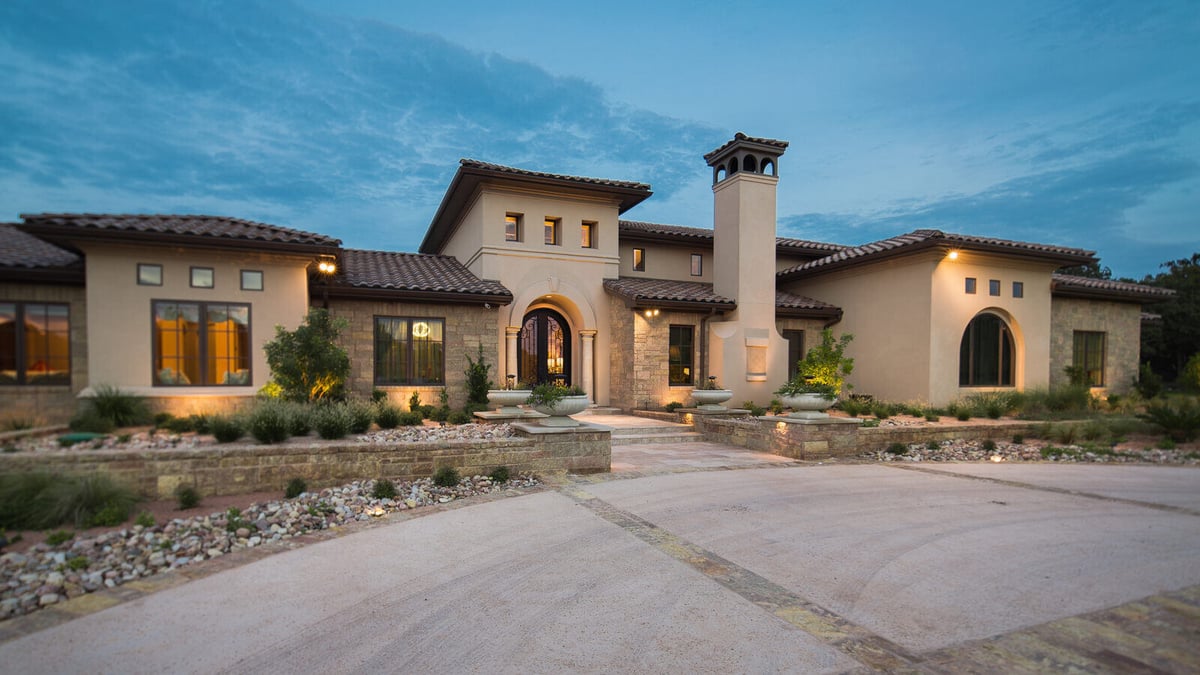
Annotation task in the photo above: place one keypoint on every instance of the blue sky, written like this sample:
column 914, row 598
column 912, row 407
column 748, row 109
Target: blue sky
column 1075, row 123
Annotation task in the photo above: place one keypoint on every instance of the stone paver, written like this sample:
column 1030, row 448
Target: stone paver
column 668, row 457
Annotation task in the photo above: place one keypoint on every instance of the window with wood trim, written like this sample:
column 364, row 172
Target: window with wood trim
column 1089, row 356
column 697, row 265
column 639, row 260
column 552, row 231
column 409, row 351
column 201, row 344
column 35, row 343
column 512, row 227
column 587, row 234
column 681, row 356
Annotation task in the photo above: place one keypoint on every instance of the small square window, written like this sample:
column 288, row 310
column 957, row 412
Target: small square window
column 970, row 285
column 994, row 287
column 202, row 277
column 639, row 260
column 149, row 274
column 252, row 280
column 512, row 227
column 1018, row 289
column 552, row 237
column 588, row 235
column 697, row 265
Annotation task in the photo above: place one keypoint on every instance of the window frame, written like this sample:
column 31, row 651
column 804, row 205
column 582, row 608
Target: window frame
column 552, row 232
column 514, row 219
column 1101, row 354
column 639, row 259
column 970, row 285
column 149, row 267
column 1018, row 289
column 1006, row 346
column 697, row 265
column 994, row 287
column 212, row 277
column 20, row 361
column 587, row 234
column 261, row 280
column 408, row 380
column 690, row 364
column 202, row 348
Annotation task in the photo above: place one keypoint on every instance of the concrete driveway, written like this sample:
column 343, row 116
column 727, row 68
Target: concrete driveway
column 938, row 568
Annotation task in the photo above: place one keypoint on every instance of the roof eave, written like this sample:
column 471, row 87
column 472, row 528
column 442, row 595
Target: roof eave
column 68, row 235
column 1107, row 294
column 809, row 312
column 408, row 294
column 67, row 276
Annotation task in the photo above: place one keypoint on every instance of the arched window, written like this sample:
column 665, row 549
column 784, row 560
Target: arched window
column 768, row 167
column 733, row 165
column 718, row 174
column 985, row 357
column 749, row 164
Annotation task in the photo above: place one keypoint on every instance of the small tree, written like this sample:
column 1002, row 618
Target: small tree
column 307, row 363
column 478, row 381
column 826, row 363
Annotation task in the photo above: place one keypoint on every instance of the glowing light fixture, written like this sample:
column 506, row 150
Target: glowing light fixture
column 420, row 329
column 952, row 255
column 327, row 264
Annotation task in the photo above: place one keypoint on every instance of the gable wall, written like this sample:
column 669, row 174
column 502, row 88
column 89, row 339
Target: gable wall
column 1120, row 322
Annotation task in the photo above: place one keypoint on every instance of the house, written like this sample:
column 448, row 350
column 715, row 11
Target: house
column 544, row 273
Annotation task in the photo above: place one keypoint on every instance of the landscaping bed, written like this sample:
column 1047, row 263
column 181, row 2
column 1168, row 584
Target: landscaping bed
column 1035, row 451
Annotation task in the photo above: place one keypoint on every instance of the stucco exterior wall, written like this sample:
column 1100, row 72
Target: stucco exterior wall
column 1120, row 322
column 120, row 316
column 467, row 327
column 664, row 261
column 49, row 403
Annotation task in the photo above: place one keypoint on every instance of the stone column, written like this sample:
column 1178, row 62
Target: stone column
column 510, row 345
column 587, row 338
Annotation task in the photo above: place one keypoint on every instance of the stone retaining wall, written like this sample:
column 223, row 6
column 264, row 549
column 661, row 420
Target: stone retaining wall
column 240, row 469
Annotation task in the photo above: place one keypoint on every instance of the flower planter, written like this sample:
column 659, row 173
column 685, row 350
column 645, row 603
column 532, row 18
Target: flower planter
column 711, row 399
column 508, row 400
column 558, row 411
column 808, row 406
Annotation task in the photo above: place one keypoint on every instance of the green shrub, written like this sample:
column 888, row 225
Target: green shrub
column 852, row 407
column 1018, row 439
column 332, row 421
column 295, row 488
column 1165, row 444
column 388, row 416
column 472, row 408
column 989, row 445
column 993, row 411
column 186, row 497
column 19, row 493
column 672, row 406
column 178, row 425
column 1189, row 377
column 755, row 409
column 1065, row 433
column 962, row 414
column 881, row 411
column 499, row 474
column 932, row 416
column 414, row 402
column 299, row 416
column 270, row 422
column 438, row 414
column 411, row 419
column 225, row 429
column 1179, row 419
column 19, row 423
column 378, row 395
column 384, row 489
column 59, row 537
column 826, row 363
column 162, row 418
column 478, row 380
column 1148, row 383
column 109, row 515
column 145, row 519
column 234, row 520
column 870, row 423
column 775, row 406
column 83, row 501
column 933, row 445
column 459, row 417
column 307, row 363
column 123, row 410
column 88, row 420
column 1094, row 430
column 78, row 563
column 897, row 449
column 361, row 414
column 445, row 476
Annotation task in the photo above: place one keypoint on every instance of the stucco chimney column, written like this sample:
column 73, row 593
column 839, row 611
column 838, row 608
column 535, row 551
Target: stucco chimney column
column 588, row 339
column 510, row 350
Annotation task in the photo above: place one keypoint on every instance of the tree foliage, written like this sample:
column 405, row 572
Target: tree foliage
column 826, row 363
column 1092, row 270
column 307, row 363
column 1169, row 344
column 478, row 381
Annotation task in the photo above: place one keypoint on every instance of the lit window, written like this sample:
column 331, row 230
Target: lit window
column 986, row 353
column 149, row 275
column 970, row 287
column 35, row 343
column 409, row 350
column 201, row 344
column 1018, row 289
column 994, row 287
column 680, row 355
column 697, row 265
column 202, row 277
column 252, row 280
column 1089, row 356
column 512, row 227
column 588, row 235
column 639, row 260
column 552, row 238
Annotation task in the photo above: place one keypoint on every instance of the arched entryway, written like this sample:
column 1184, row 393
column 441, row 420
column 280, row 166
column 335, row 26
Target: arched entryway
column 985, row 355
column 544, row 348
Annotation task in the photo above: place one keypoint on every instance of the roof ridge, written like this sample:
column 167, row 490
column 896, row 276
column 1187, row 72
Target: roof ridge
column 480, row 164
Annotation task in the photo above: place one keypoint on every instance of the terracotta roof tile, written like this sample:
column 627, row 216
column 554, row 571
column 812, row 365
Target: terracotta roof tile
column 19, row 249
column 918, row 239
column 413, row 272
column 216, row 227
column 1067, row 284
column 740, row 137
column 474, row 163
column 638, row 291
column 634, row 227
column 792, row 301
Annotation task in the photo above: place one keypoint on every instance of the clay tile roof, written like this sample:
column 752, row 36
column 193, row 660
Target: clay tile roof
column 419, row 272
column 739, row 137
column 18, row 249
column 922, row 239
column 213, row 227
column 639, row 292
column 1070, row 285
column 685, row 234
column 789, row 303
column 476, row 164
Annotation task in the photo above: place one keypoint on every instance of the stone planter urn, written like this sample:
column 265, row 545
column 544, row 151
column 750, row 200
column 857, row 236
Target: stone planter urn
column 808, row 406
column 711, row 399
column 559, row 410
column 508, row 400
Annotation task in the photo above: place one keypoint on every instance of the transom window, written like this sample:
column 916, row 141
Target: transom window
column 587, row 235
column 35, row 343
column 681, row 355
column 985, row 357
column 1089, row 355
column 639, row 260
column 201, row 344
column 512, row 227
column 409, row 350
column 552, row 231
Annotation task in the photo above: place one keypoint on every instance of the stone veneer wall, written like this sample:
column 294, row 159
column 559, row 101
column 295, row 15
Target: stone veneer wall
column 824, row 441
column 467, row 326
column 639, row 376
column 621, row 365
column 52, row 403
column 240, row 469
column 1120, row 322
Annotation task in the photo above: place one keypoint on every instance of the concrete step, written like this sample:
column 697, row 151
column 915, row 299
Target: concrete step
column 600, row 410
column 648, row 439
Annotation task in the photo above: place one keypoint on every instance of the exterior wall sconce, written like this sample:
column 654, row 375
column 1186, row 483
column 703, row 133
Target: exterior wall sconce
column 651, row 312
column 952, row 255
column 326, row 265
